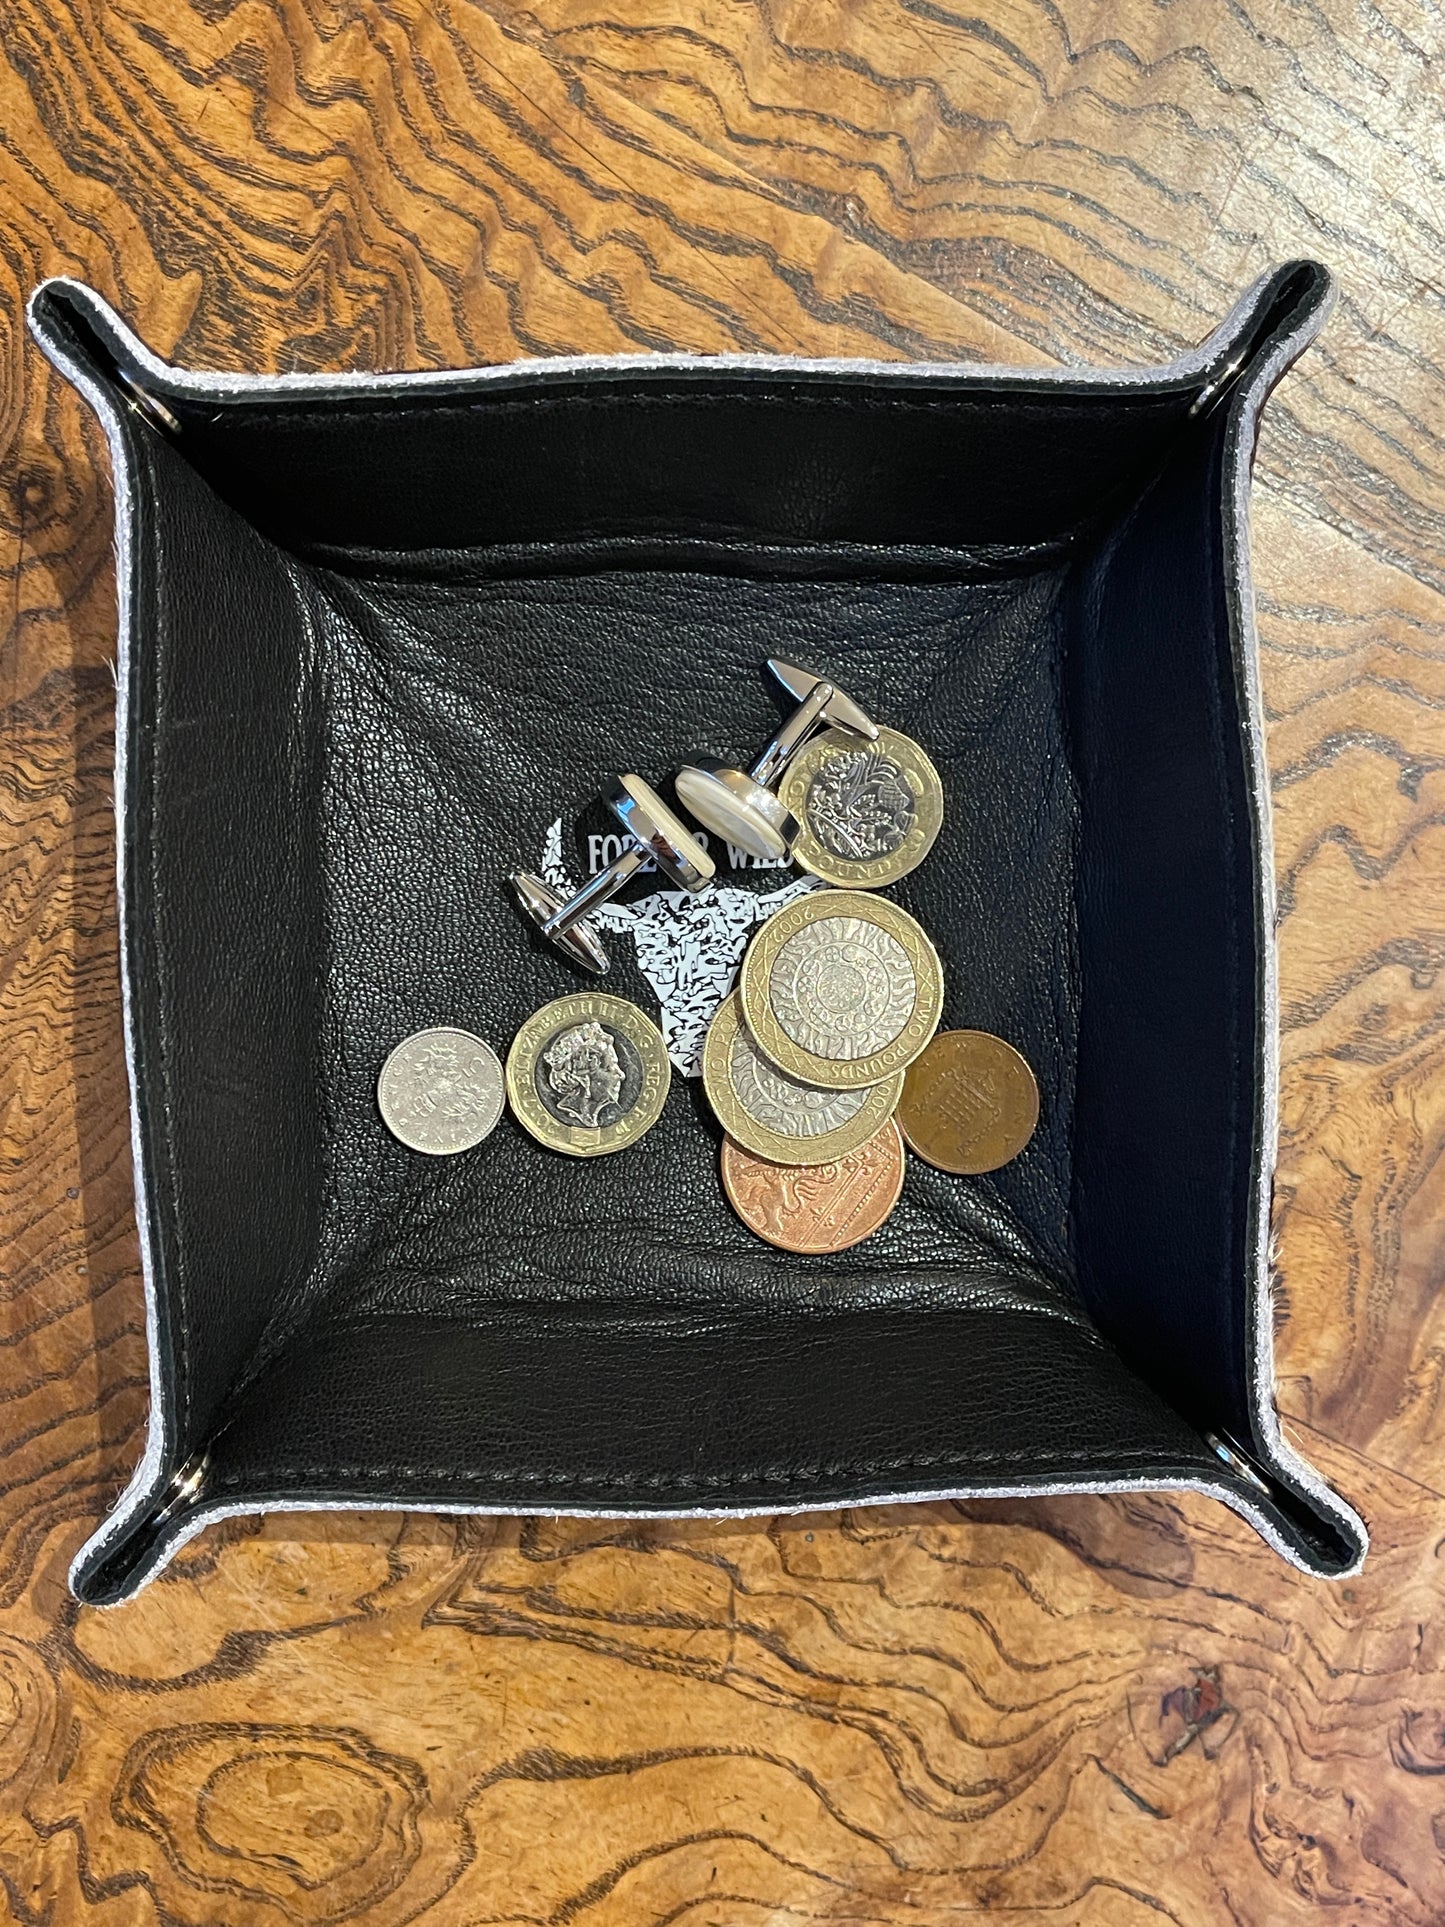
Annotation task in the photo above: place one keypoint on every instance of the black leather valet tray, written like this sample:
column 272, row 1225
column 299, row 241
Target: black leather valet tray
column 380, row 635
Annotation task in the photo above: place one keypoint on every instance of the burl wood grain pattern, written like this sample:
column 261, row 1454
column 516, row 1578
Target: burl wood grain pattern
column 1085, row 1713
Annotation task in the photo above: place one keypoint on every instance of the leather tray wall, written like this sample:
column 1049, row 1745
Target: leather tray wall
column 379, row 639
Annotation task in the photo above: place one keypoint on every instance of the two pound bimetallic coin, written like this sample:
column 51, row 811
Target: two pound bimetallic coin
column 773, row 1115
column 588, row 1074
column 841, row 989
column 868, row 813
column 440, row 1091
column 970, row 1103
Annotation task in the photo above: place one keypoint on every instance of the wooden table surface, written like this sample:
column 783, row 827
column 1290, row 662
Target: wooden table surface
column 1085, row 1712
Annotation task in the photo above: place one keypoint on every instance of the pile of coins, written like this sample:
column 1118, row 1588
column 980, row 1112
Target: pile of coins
column 823, row 1063
column 827, row 1060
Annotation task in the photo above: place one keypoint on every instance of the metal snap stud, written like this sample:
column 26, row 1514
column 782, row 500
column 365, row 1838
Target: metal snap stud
column 651, row 830
column 741, row 805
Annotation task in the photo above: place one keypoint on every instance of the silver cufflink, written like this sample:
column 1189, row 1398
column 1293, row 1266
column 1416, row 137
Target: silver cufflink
column 741, row 806
column 650, row 829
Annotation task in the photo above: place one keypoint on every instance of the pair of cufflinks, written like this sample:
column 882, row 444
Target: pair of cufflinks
column 740, row 805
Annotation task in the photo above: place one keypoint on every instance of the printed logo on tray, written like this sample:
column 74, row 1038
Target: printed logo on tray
column 601, row 850
column 688, row 947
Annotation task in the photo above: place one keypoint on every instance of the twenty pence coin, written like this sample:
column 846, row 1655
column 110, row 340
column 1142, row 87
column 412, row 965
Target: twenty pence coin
column 440, row 1091
column 841, row 989
column 970, row 1103
column 815, row 1208
column 588, row 1074
column 773, row 1115
column 868, row 813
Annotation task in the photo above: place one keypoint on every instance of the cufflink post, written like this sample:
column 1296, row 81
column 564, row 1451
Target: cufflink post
column 741, row 805
column 653, row 832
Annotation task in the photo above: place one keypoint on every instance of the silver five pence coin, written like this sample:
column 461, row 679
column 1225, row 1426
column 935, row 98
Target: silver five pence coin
column 441, row 1091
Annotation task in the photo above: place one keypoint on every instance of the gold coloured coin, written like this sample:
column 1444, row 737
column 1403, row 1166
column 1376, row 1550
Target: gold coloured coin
column 970, row 1103
column 816, row 1207
column 841, row 989
column 588, row 1074
column 869, row 812
column 773, row 1115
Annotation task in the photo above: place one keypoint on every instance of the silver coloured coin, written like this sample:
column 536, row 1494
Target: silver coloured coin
column 860, row 805
column 842, row 988
column 441, row 1091
column 780, row 1103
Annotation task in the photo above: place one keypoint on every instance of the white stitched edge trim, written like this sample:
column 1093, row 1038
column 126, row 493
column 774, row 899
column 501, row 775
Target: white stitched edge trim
column 1275, row 1450
column 1237, row 1502
column 203, row 384
column 145, row 1482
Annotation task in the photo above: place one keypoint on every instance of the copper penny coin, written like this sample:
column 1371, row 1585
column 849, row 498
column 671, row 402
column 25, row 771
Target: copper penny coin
column 970, row 1103
column 816, row 1207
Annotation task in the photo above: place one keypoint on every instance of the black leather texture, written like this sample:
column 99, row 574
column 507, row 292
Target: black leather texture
column 379, row 641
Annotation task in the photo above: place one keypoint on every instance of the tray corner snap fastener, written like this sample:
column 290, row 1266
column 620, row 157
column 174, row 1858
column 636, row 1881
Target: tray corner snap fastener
column 741, row 805
column 650, row 830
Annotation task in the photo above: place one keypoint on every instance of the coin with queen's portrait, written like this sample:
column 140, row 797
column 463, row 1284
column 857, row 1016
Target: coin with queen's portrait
column 588, row 1074
column 583, row 1073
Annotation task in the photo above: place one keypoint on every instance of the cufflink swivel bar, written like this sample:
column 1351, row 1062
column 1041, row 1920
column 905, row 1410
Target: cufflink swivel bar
column 741, row 805
column 651, row 830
